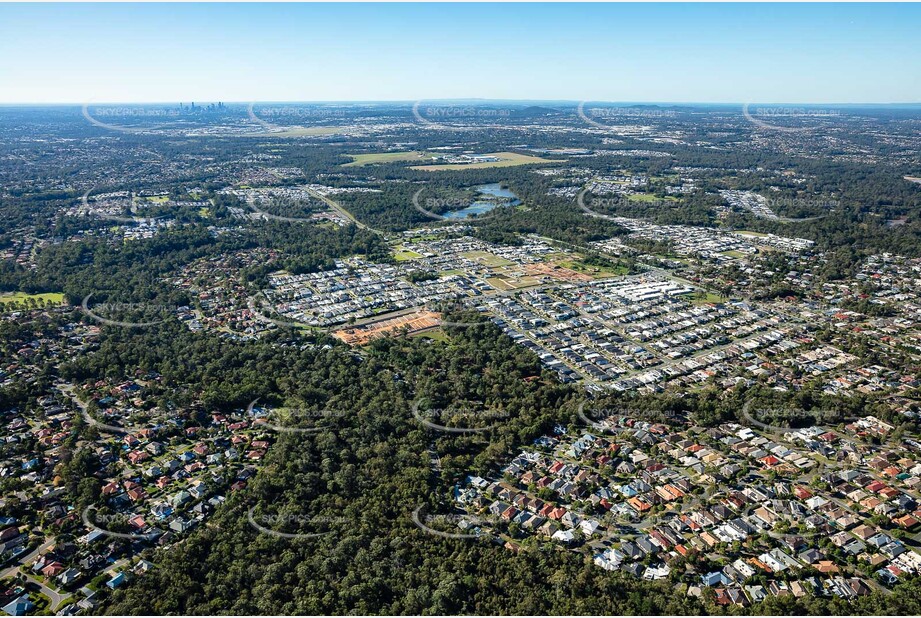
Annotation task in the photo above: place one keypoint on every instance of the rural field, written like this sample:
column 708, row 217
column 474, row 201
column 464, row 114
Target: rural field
column 359, row 160
column 506, row 159
column 486, row 259
column 649, row 197
column 504, row 284
column 21, row 297
column 401, row 255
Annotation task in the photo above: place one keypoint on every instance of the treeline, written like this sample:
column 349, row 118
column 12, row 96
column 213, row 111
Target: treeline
column 135, row 270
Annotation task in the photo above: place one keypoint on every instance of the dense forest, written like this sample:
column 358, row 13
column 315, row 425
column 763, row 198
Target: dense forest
column 359, row 478
column 369, row 470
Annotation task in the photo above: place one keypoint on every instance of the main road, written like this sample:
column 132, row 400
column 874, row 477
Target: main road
column 345, row 213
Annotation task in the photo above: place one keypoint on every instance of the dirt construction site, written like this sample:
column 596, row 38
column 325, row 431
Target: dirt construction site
column 410, row 323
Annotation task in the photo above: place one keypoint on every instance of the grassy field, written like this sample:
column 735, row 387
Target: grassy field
column 598, row 272
column 20, row 297
column 424, row 237
column 749, row 233
column 486, row 259
column 648, row 197
column 503, row 284
column 734, row 254
column 435, row 334
column 401, row 255
column 506, row 159
column 706, row 298
column 383, row 157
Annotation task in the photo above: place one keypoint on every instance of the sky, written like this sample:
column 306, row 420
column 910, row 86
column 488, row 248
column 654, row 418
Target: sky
column 716, row 53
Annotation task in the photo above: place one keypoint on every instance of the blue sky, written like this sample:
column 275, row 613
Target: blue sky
column 793, row 53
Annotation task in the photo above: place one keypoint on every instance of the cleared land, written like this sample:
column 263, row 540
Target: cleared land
column 486, row 259
column 21, row 298
column 403, row 255
column 503, row 284
column 556, row 271
column 506, row 159
column 383, row 157
column 411, row 323
column 649, row 197
column 706, row 298
column 595, row 272
column 435, row 334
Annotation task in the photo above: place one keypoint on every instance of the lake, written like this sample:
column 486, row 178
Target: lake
column 493, row 195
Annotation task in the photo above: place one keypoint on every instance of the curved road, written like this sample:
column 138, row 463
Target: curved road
column 56, row 597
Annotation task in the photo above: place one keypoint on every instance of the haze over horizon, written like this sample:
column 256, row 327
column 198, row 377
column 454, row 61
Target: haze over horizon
column 475, row 100
column 717, row 54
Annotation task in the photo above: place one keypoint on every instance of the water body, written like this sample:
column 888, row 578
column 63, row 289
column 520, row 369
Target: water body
column 492, row 196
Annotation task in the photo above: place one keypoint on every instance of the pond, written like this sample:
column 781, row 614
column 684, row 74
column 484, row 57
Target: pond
column 491, row 196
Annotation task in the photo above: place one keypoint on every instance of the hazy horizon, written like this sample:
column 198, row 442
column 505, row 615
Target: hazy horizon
column 906, row 104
